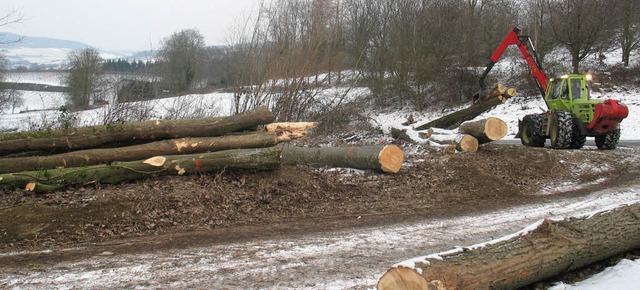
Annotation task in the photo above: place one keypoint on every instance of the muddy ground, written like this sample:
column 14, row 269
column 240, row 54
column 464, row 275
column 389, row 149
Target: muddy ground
column 178, row 212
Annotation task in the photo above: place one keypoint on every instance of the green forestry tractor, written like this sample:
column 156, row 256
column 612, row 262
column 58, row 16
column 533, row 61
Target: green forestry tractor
column 571, row 114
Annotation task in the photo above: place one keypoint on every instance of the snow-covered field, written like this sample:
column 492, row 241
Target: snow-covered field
column 323, row 256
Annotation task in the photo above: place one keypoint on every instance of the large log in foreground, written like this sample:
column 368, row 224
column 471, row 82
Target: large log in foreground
column 387, row 158
column 54, row 179
column 139, row 152
column 485, row 130
column 539, row 252
column 117, row 135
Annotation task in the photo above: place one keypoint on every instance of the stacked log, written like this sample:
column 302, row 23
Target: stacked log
column 469, row 135
column 480, row 105
column 462, row 142
column 485, row 130
column 130, row 151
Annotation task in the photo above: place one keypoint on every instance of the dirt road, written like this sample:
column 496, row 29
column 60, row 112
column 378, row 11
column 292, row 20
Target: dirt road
column 297, row 228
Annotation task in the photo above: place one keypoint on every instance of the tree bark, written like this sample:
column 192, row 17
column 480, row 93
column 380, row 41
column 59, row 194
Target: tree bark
column 54, row 179
column 139, row 152
column 462, row 142
column 130, row 133
column 381, row 158
column 538, row 252
column 485, row 130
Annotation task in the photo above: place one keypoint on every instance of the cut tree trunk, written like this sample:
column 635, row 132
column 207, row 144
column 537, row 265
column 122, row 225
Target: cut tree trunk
column 539, row 252
column 387, row 158
column 139, row 152
column 118, row 135
column 462, row 142
column 55, row 179
column 485, row 130
column 288, row 131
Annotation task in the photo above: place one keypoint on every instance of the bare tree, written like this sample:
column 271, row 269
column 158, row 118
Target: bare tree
column 84, row 76
column 579, row 26
column 537, row 23
column 180, row 58
column 627, row 18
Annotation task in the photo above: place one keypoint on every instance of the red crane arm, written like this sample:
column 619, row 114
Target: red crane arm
column 524, row 44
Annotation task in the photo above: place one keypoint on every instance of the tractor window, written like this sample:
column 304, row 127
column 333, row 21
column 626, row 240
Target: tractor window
column 576, row 89
column 565, row 90
column 554, row 91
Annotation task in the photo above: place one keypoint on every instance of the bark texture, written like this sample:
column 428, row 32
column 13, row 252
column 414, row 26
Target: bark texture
column 117, row 135
column 381, row 158
column 54, row 179
column 551, row 248
column 139, row 152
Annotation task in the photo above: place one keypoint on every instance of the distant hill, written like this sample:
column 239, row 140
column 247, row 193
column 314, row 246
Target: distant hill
column 12, row 40
column 47, row 53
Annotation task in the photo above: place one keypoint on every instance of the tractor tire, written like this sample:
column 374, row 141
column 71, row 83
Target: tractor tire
column 531, row 131
column 577, row 139
column 608, row 141
column 561, row 131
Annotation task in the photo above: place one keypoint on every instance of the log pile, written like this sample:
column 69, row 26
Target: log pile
column 480, row 104
column 51, row 160
column 541, row 251
column 468, row 136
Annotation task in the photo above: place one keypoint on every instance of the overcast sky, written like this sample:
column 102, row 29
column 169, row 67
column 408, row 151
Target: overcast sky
column 127, row 24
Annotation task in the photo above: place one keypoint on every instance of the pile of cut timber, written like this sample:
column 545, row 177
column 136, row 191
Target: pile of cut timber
column 50, row 160
column 480, row 104
column 541, row 251
column 469, row 135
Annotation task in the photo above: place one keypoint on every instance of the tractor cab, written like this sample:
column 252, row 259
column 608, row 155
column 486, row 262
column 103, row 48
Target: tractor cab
column 571, row 93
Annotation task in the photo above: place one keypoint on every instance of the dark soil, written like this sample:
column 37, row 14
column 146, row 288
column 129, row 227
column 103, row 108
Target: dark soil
column 432, row 183
column 228, row 206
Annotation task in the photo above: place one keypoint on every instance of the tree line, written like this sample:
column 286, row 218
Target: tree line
column 408, row 52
